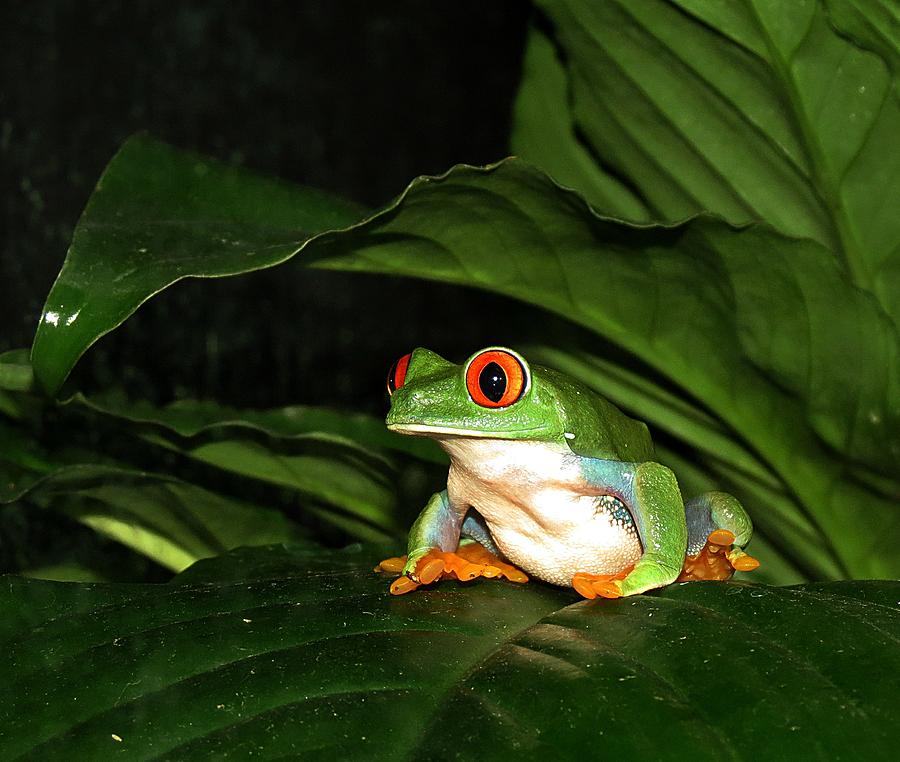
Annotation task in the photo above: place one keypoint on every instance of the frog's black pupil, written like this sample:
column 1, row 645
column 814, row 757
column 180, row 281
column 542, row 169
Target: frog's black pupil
column 492, row 382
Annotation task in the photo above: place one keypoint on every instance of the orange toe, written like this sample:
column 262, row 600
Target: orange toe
column 607, row 588
column 717, row 560
column 605, row 585
column 470, row 561
column 745, row 564
column 394, row 565
column 469, row 571
column 403, row 585
column 474, row 556
column 430, row 570
column 474, row 553
column 454, row 564
column 583, row 587
column 513, row 574
column 720, row 537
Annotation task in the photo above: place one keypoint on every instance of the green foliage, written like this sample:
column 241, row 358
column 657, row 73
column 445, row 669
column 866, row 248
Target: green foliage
column 707, row 188
column 767, row 323
column 295, row 652
column 88, row 468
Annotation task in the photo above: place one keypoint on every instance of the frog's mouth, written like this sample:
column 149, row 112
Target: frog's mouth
column 423, row 429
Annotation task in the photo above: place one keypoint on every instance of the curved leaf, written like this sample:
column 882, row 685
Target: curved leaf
column 342, row 482
column 318, row 469
column 291, row 447
column 544, row 128
column 752, row 110
column 291, row 653
column 222, row 220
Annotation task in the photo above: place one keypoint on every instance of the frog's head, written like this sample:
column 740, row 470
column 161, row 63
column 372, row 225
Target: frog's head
column 493, row 394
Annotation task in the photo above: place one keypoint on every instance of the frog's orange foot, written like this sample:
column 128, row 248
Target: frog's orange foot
column 468, row 562
column 604, row 585
column 718, row 559
column 487, row 564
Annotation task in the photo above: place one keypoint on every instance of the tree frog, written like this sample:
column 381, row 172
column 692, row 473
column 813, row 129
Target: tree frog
column 551, row 480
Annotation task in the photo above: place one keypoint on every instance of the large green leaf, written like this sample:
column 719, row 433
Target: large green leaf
column 302, row 653
column 762, row 329
column 752, row 109
column 225, row 220
column 333, row 460
column 544, row 128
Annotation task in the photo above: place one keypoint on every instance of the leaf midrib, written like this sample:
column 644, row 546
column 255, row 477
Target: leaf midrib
column 824, row 185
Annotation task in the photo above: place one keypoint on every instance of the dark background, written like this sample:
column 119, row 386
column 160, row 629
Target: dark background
column 353, row 97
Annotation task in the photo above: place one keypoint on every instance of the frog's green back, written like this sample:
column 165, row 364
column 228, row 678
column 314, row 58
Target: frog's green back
column 601, row 429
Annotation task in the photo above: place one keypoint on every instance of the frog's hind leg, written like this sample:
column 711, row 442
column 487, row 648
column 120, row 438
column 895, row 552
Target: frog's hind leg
column 475, row 528
column 718, row 530
column 716, row 510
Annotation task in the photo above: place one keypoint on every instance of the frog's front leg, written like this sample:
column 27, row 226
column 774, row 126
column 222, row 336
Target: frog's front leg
column 438, row 526
column 651, row 493
column 434, row 551
column 434, row 534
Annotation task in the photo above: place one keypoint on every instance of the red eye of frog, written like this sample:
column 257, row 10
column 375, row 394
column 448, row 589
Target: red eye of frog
column 495, row 378
column 397, row 374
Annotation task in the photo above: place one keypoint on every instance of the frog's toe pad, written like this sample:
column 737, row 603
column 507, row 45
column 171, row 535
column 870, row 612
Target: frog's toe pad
column 592, row 585
column 403, row 585
column 742, row 562
column 392, row 565
column 720, row 537
column 469, row 561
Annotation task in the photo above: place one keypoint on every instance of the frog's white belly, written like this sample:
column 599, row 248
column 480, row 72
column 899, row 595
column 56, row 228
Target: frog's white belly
column 542, row 514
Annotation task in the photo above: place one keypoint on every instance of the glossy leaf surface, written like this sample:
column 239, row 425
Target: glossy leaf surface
column 302, row 652
column 222, row 221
